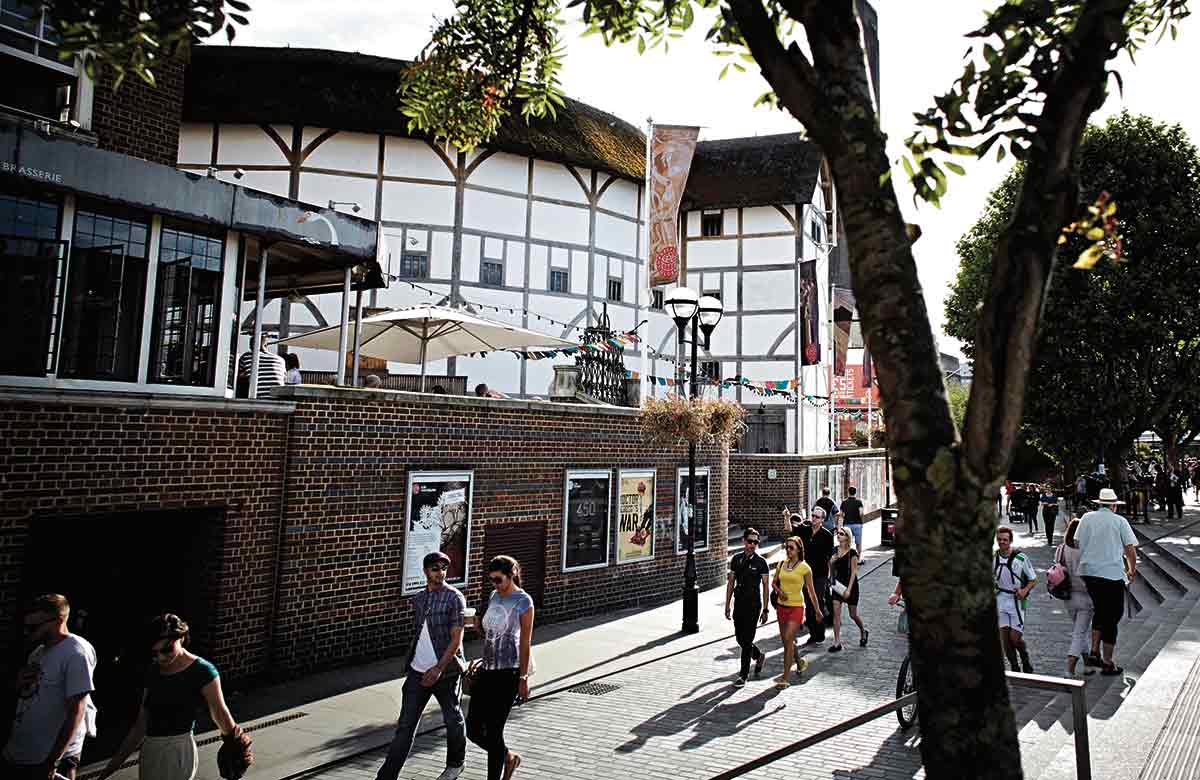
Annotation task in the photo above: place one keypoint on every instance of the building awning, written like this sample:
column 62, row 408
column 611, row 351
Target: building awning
column 303, row 258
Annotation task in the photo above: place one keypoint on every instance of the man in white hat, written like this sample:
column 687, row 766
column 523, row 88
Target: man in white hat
column 1107, row 563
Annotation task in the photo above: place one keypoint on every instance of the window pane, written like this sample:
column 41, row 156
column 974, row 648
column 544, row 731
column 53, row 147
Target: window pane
column 28, row 272
column 559, row 281
column 614, row 289
column 492, row 272
column 186, row 301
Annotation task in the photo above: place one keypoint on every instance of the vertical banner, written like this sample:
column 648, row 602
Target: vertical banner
column 843, row 316
column 586, row 509
column 868, row 369
column 810, row 323
column 438, row 517
column 671, row 151
column 635, row 513
column 682, row 501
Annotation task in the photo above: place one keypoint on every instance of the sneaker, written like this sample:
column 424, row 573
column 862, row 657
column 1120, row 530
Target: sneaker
column 812, row 640
column 450, row 773
column 740, row 682
column 758, row 663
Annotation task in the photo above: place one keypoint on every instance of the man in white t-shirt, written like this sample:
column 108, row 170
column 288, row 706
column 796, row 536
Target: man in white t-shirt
column 54, row 708
column 1015, row 578
column 1107, row 563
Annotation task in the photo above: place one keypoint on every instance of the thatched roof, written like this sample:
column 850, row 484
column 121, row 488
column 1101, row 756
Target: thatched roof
column 349, row 91
column 754, row 171
column 357, row 92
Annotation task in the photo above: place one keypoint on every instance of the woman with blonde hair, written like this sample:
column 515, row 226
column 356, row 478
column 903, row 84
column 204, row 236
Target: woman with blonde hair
column 843, row 576
column 1079, row 607
column 792, row 579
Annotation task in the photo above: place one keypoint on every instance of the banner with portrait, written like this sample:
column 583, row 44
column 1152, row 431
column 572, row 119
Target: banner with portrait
column 810, row 315
column 843, row 318
column 586, row 509
column 635, row 516
column 671, row 152
column 700, row 503
column 437, row 517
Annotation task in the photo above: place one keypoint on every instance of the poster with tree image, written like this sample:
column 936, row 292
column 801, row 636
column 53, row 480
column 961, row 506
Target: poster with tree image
column 701, row 509
column 635, row 518
column 438, row 518
column 585, row 519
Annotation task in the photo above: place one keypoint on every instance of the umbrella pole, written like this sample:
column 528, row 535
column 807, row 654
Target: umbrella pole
column 340, row 376
column 357, row 335
column 424, row 347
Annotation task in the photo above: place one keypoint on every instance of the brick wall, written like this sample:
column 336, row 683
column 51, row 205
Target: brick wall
column 755, row 500
column 348, row 464
column 64, row 461
column 138, row 119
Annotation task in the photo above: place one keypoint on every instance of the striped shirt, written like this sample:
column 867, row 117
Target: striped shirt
column 443, row 610
column 272, row 371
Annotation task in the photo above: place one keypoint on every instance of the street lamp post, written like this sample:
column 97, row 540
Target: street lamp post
column 702, row 313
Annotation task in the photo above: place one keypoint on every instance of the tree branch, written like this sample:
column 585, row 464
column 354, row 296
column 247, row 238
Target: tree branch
column 1024, row 256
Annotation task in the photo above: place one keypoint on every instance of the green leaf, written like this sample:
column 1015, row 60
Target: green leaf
column 1089, row 258
column 641, row 45
column 956, row 168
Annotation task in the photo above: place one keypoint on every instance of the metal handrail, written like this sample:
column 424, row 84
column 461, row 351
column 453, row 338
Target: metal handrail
column 1076, row 688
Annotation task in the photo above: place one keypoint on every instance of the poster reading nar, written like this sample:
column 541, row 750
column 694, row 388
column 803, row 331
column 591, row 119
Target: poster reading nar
column 585, row 519
column 635, row 517
column 681, row 513
column 438, row 518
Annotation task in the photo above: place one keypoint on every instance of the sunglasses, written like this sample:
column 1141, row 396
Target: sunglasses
column 440, row 567
column 752, row 541
column 37, row 624
column 792, row 547
column 497, row 580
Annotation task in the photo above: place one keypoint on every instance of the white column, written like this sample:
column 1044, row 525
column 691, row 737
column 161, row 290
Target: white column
column 343, row 335
column 259, row 312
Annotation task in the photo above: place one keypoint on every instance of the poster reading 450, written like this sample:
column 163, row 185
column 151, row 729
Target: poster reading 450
column 681, row 511
column 586, row 509
column 438, row 517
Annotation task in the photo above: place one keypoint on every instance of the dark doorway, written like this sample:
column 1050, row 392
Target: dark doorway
column 118, row 571
column 766, row 430
column 527, row 543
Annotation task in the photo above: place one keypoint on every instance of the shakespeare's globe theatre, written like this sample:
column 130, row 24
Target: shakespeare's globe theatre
column 543, row 223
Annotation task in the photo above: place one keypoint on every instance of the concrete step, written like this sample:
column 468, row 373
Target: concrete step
column 1154, row 560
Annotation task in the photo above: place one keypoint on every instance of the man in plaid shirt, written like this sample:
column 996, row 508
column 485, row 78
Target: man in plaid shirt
column 435, row 662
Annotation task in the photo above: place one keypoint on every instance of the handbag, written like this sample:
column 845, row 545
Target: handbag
column 1058, row 579
column 840, row 589
column 902, row 622
column 469, row 675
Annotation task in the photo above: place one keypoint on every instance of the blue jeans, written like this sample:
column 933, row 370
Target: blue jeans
column 416, row 697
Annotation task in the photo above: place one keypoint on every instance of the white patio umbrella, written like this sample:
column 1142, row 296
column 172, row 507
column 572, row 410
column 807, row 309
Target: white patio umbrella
column 424, row 333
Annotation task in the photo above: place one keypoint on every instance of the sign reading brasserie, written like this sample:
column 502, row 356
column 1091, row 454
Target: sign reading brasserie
column 438, row 517
column 30, row 173
column 585, row 519
column 701, row 509
column 635, row 523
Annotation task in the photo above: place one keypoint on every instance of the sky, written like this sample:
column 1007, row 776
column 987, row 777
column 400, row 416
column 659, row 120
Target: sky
column 921, row 45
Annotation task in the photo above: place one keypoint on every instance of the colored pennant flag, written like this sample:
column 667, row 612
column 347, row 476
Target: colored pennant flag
column 868, row 369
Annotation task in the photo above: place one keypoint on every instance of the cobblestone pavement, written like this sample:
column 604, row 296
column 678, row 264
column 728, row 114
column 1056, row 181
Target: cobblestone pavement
column 681, row 717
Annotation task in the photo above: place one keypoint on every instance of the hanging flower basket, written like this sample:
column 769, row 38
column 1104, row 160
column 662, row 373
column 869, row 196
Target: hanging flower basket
column 674, row 420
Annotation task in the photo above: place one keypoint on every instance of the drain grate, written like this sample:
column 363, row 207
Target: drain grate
column 594, row 689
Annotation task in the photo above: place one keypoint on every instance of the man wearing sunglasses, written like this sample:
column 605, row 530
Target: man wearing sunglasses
column 435, row 662
column 748, row 581
column 54, row 709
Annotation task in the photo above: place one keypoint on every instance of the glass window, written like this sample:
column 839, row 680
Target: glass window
column 492, row 272
column 614, row 289
column 712, row 224
column 656, row 299
column 559, row 281
column 106, row 284
column 414, row 266
column 711, row 369
column 187, row 300
column 31, row 264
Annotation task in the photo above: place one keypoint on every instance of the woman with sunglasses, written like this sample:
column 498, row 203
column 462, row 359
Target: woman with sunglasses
column 792, row 579
column 504, row 679
column 176, row 685
column 844, row 577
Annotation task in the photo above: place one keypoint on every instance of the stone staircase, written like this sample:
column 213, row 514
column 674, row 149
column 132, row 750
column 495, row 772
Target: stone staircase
column 1126, row 715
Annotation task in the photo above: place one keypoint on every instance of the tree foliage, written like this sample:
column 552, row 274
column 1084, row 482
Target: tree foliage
column 1118, row 347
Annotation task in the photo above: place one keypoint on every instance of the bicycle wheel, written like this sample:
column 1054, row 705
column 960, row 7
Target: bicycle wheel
column 906, row 683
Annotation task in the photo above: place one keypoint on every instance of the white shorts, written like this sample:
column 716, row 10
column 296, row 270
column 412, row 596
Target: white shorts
column 1011, row 620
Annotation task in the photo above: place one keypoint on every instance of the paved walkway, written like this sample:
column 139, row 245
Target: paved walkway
column 667, row 705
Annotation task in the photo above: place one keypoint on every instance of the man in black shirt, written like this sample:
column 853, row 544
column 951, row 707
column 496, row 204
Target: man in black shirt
column 748, row 580
column 818, row 549
column 829, row 508
column 852, row 516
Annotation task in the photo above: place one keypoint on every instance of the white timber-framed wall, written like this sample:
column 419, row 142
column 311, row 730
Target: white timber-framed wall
column 534, row 216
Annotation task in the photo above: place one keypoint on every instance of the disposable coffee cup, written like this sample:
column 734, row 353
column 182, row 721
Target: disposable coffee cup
column 469, row 617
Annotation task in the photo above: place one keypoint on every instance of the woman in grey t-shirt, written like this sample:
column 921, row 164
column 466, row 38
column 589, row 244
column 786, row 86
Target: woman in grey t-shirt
column 504, row 679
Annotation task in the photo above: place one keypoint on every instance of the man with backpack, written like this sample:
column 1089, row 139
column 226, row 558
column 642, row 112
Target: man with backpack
column 1015, row 579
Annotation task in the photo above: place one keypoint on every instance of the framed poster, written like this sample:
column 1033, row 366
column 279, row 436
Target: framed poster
column 635, row 516
column 681, row 510
column 587, row 499
column 437, row 517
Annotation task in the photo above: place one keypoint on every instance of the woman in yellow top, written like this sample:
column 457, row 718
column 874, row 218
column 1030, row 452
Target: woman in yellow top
column 792, row 579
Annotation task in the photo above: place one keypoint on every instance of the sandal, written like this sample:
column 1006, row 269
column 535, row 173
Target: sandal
column 862, row 642
column 782, row 684
column 835, row 648
column 510, row 766
column 1111, row 670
